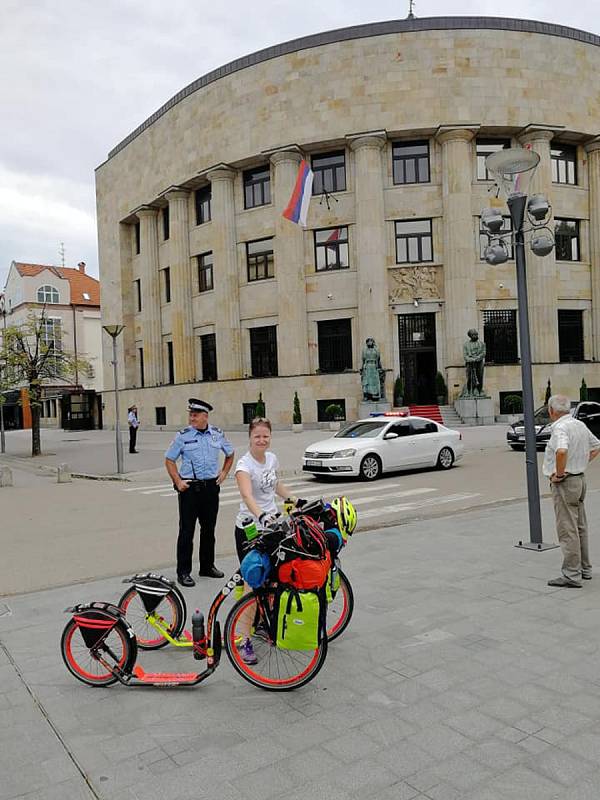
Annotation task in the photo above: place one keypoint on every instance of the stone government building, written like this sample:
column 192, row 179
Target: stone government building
column 222, row 297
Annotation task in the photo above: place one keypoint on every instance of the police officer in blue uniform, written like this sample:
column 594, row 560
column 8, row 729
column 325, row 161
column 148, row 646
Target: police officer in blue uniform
column 198, row 482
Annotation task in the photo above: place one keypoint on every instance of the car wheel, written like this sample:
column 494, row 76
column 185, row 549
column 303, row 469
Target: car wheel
column 445, row 459
column 370, row 467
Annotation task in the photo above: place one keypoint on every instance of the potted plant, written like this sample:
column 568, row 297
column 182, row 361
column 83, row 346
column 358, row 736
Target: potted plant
column 334, row 413
column 548, row 394
column 398, row 391
column 441, row 390
column 513, row 404
column 297, row 426
column 260, row 410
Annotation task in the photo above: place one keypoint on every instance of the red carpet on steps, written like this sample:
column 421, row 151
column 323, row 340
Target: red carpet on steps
column 430, row 412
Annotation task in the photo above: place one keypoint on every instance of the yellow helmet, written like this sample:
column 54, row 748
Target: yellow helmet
column 346, row 516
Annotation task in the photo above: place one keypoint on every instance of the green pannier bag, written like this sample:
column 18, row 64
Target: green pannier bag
column 333, row 582
column 299, row 619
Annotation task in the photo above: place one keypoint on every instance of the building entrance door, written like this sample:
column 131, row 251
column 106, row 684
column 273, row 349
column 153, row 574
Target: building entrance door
column 418, row 359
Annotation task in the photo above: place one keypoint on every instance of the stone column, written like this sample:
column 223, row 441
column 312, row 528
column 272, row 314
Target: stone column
column 226, row 278
column 593, row 160
column 372, row 282
column 118, row 307
column 459, row 253
column 292, row 331
column 542, row 274
column 151, row 322
column 181, row 288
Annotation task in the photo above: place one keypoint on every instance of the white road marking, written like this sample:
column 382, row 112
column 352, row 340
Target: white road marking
column 433, row 501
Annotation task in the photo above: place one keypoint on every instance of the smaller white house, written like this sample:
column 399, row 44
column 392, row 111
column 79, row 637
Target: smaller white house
column 72, row 302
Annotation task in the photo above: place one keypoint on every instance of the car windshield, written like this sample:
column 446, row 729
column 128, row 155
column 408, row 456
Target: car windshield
column 365, row 430
column 542, row 417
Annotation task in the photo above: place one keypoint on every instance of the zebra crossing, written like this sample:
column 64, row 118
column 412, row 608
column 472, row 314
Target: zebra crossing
column 387, row 496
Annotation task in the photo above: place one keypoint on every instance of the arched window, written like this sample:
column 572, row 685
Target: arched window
column 47, row 294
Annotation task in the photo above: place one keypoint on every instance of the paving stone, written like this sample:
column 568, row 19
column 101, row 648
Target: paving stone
column 474, row 724
column 516, row 784
column 561, row 767
column 440, row 741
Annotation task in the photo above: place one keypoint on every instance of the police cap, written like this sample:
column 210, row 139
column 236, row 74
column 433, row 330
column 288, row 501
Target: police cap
column 199, row 405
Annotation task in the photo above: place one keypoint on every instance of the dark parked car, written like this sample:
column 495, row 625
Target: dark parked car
column 588, row 412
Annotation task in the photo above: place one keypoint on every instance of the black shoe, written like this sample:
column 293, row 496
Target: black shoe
column 587, row 577
column 186, row 580
column 211, row 572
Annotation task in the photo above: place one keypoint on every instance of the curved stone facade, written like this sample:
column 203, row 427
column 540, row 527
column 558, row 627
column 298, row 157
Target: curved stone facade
column 451, row 83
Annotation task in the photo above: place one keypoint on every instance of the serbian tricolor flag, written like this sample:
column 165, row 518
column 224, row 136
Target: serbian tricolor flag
column 297, row 208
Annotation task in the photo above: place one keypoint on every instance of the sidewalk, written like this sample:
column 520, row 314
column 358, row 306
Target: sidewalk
column 463, row 676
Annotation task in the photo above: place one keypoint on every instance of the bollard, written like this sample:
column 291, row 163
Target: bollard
column 63, row 473
column 6, row 476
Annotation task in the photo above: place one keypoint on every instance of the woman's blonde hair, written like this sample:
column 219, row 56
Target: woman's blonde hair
column 254, row 423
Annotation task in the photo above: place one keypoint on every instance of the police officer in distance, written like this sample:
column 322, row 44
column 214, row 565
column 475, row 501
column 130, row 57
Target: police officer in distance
column 198, row 482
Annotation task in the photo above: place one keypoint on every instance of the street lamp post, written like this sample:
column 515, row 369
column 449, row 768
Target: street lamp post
column 512, row 170
column 114, row 331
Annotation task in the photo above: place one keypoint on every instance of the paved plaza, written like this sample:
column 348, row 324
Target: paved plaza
column 462, row 675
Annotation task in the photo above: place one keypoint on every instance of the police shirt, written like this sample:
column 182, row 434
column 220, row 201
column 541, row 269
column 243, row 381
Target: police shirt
column 199, row 451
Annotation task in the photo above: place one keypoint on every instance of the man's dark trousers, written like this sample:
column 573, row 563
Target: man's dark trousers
column 199, row 502
column 132, row 438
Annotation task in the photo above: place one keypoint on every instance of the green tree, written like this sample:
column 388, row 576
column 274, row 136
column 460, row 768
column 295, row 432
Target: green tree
column 33, row 354
column 259, row 411
column 583, row 392
column 297, row 415
column 548, row 394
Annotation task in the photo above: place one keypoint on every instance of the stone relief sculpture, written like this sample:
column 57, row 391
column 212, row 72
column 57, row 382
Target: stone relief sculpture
column 474, row 355
column 412, row 283
column 372, row 375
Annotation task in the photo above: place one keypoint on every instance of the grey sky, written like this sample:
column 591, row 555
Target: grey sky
column 79, row 75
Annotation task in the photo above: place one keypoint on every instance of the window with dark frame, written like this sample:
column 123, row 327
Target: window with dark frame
column 335, row 345
column 414, row 241
column 502, row 396
column 208, row 356
column 331, row 249
column 257, row 187
column 322, row 406
column 138, row 294
column 485, row 148
column 170, row 363
column 263, row 352
column 410, row 162
column 202, row 198
column 165, row 223
column 161, row 415
column 484, row 241
column 167, row 284
column 141, row 365
column 566, row 237
column 570, row 335
column 205, row 272
column 249, row 412
column 500, row 336
column 260, row 260
column 329, row 173
column 564, row 163
column 137, row 238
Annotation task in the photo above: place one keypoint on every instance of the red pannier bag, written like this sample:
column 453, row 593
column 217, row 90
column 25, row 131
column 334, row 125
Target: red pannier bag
column 305, row 573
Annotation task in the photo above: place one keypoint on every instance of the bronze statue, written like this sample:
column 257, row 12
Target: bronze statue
column 474, row 355
column 371, row 371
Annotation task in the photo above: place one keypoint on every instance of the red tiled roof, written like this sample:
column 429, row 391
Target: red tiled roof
column 79, row 281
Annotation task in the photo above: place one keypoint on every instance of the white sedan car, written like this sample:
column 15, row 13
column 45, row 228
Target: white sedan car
column 369, row 447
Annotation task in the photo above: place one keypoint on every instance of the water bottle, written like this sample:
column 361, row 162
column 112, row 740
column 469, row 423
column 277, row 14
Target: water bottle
column 250, row 529
column 198, row 635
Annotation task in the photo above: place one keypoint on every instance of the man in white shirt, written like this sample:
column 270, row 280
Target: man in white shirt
column 134, row 424
column 570, row 449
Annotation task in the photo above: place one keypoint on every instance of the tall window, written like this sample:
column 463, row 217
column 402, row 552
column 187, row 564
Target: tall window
column 136, row 238
column 564, row 163
column 47, row 294
column 263, row 351
column 51, row 333
column 331, row 249
column 570, row 335
column 410, row 162
column 167, row 284
column 170, row 363
column 483, row 239
column 335, row 345
column 208, row 355
column 161, row 415
column 485, row 148
column 414, row 241
column 202, row 199
column 500, row 336
column 329, row 173
column 259, row 259
column 257, row 187
column 165, row 223
column 205, row 272
column 141, row 365
column 566, row 236
column 137, row 287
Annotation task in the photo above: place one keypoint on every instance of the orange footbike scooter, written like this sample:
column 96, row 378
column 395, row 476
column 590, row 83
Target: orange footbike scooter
column 101, row 640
